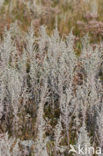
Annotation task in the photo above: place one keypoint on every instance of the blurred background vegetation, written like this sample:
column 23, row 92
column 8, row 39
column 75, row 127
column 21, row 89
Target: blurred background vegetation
column 82, row 16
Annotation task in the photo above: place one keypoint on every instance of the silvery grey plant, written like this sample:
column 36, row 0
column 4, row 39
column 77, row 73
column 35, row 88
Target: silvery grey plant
column 41, row 79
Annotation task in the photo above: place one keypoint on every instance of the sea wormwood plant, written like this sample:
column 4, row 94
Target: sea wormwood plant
column 39, row 98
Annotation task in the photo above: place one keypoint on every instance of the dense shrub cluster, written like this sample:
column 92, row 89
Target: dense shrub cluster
column 49, row 97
